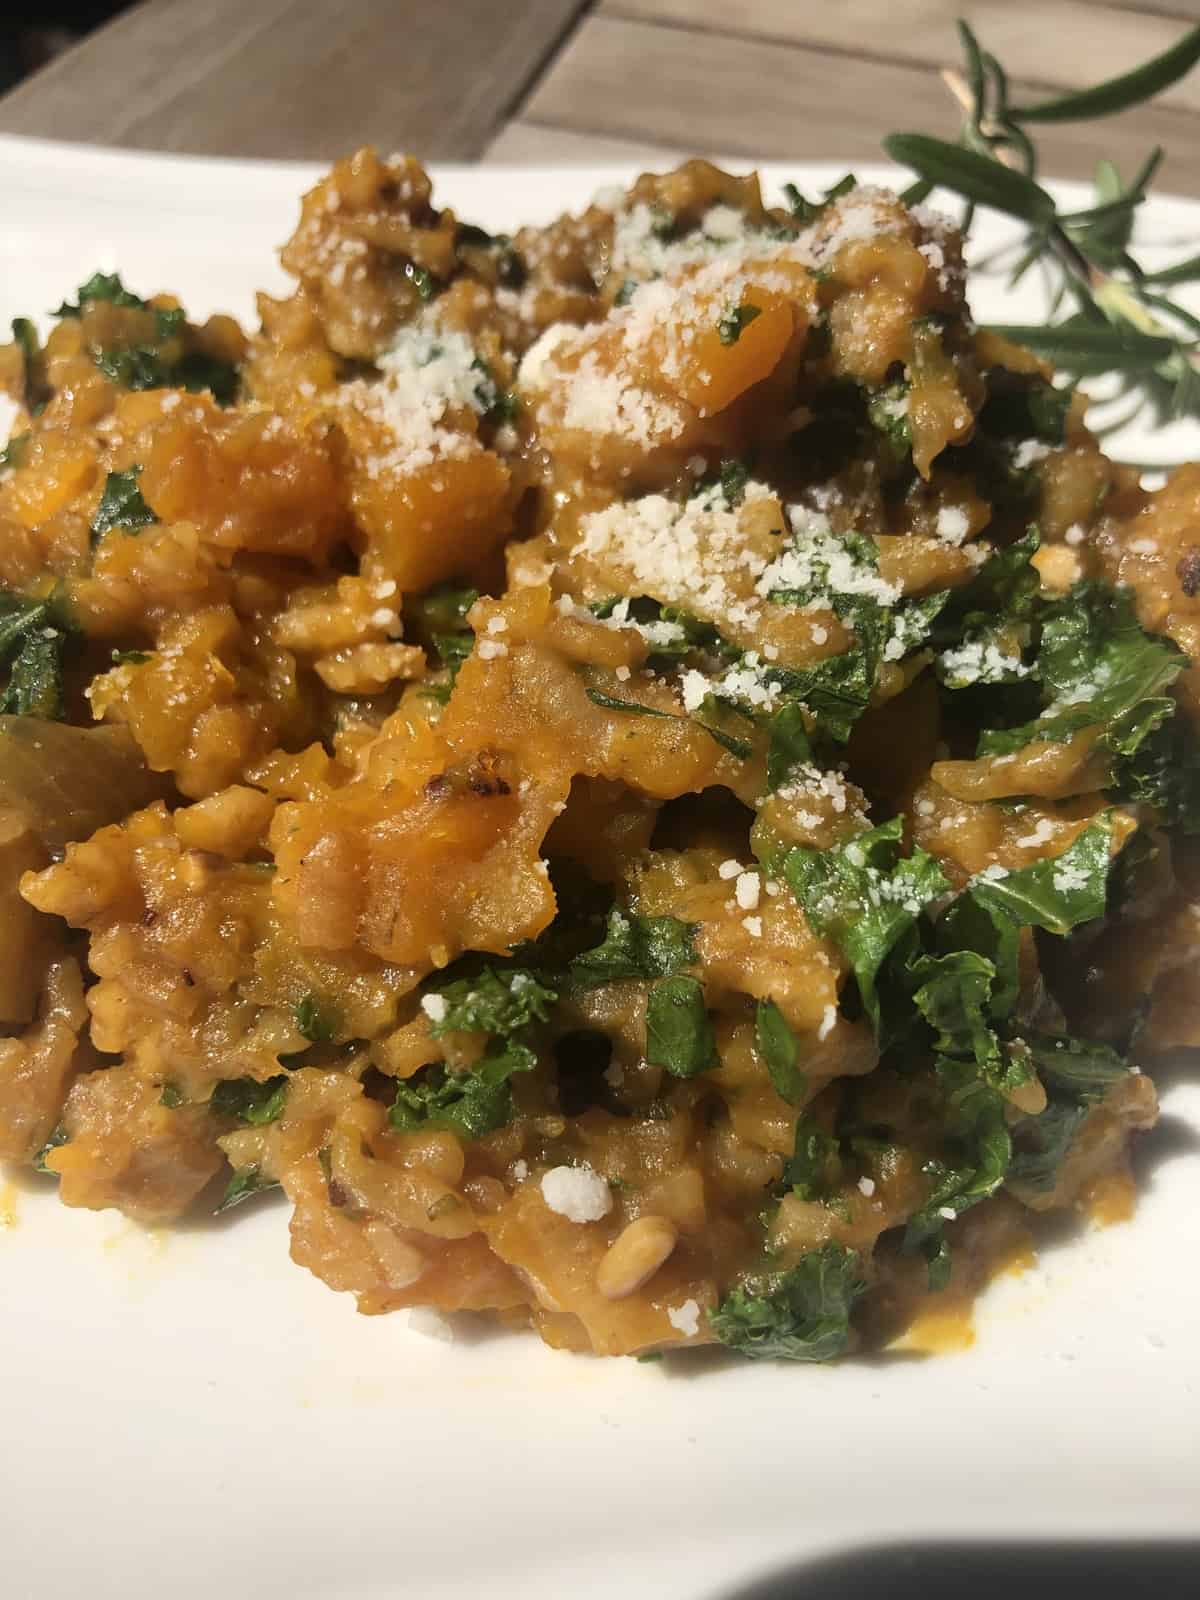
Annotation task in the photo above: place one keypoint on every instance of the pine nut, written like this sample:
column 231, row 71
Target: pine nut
column 634, row 1256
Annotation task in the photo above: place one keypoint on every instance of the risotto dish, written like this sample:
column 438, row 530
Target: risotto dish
column 642, row 771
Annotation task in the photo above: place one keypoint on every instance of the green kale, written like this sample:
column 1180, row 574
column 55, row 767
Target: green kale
column 35, row 681
column 887, row 412
column 105, row 286
column 172, row 1096
column 1041, row 1143
column 36, row 389
column 469, row 1104
column 1076, row 1074
column 246, row 1181
column 1096, row 665
column 635, row 947
column 1024, row 405
column 1163, row 771
column 496, row 405
column 734, row 319
column 250, row 1100
column 799, row 1315
column 422, row 281
column 837, row 690
column 1057, row 894
column 121, row 505
column 320, row 1021
column 679, row 1035
column 59, row 1137
column 776, row 1044
column 806, row 211
column 197, row 371
column 493, row 1002
column 789, row 747
column 865, row 896
column 814, row 1168
column 439, row 621
column 975, row 1118
column 1082, row 1070
column 733, row 476
column 612, row 702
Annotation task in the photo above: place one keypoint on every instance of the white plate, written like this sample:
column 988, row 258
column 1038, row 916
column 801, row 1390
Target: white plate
column 190, row 1414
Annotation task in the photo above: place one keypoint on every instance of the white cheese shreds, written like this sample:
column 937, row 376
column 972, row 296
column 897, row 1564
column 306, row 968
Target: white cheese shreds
column 497, row 625
column 828, row 1022
column 426, row 374
column 1029, row 451
column 866, row 1186
column 981, row 661
column 685, row 1319
column 953, row 525
column 746, row 890
column 1042, row 833
column 991, row 874
column 1074, row 535
column 948, row 1212
column 753, row 926
column 490, row 649
column 1068, row 877
column 577, row 1193
column 434, row 1007
column 729, row 869
column 520, row 1170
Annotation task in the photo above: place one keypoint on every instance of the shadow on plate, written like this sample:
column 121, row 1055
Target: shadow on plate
column 1037, row 1570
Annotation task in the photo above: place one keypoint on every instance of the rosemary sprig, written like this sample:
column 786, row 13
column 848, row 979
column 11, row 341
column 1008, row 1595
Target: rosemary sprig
column 1120, row 322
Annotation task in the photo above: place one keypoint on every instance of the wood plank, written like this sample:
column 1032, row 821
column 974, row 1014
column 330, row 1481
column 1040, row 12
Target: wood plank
column 636, row 80
column 529, row 144
column 295, row 78
column 1062, row 42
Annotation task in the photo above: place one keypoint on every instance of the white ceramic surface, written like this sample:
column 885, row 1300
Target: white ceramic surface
column 191, row 1415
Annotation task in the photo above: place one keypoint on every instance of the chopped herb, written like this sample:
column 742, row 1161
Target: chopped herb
column 245, row 1182
column 1096, row 665
column 790, row 746
column 612, row 702
column 439, row 620
column 318, row 1020
column 865, row 896
column 121, row 505
column 679, row 1036
column 776, row 1044
column 734, row 319
column 35, row 681
column 814, row 1168
column 493, row 1002
column 250, row 1100
column 171, row 1096
column 105, row 286
column 635, row 947
column 130, row 658
column 626, row 292
column 1057, row 894
column 422, row 281
column 799, row 1315
column 733, row 477
column 57, row 1139
column 469, row 1104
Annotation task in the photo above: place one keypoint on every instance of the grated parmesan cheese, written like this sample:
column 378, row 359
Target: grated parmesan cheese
column 578, row 1193
column 685, row 1318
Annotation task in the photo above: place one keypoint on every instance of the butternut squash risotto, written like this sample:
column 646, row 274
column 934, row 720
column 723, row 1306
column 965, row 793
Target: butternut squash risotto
column 642, row 772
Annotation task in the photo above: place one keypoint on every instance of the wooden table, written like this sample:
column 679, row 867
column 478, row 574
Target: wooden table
column 589, row 80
